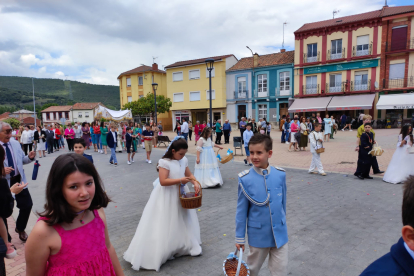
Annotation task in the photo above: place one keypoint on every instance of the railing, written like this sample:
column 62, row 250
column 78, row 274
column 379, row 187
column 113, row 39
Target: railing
column 359, row 53
column 310, row 89
column 398, row 45
column 398, row 83
column 331, row 56
column 360, row 85
column 307, row 59
column 335, row 87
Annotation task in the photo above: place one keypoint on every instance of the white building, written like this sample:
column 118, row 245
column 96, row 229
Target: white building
column 85, row 112
column 54, row 114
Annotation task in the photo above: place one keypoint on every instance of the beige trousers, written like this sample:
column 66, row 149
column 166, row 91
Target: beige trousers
column 278, row 260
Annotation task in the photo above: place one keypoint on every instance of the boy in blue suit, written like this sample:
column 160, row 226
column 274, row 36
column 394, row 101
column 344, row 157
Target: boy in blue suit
column 261, row 205
column 400, row 260
column 79, row 147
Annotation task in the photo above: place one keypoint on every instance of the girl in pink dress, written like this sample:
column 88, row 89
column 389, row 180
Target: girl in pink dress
column 71, row 236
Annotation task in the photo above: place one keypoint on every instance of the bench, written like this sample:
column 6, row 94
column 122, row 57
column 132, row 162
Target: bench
column 163, row 140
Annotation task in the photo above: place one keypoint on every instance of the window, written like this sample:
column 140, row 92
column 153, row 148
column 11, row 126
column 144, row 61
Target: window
column 140, row 96
column 262, row 85
column 86, row 114
column 140, row 81
column 213, row 94
column 362, row 45
column 284, row 84
column 195, row 96
column 178, row 97
column 213, row 72
column 128, row 82
column 129, row 99
column 194, row 74
column 47, row 116
column 336, row 49
column 241, row 87
column 361, row 80
column 312, row 53
column 396, row 77
column 178, row 76
column 67, row 115
column 152, row 78
column 311, row 85
column 262, row 110
column 335, row 83
column 399, row 38
column 79, row 114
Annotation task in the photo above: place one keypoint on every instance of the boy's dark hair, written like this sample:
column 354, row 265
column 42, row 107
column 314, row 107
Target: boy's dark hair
column 128, row 128
column 79, row 141
column 368, row 124
column 283, row 116
column 57, row 209
column 250, row 125
column 408, row 202
column 316, row 124
column 262, row 139
column 147, row 125
column 288, row 119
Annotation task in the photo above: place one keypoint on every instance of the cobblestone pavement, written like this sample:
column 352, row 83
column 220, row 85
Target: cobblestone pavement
column 337, row 224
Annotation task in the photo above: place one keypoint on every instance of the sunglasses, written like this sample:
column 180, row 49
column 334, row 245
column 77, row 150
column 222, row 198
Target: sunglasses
column 8, row 131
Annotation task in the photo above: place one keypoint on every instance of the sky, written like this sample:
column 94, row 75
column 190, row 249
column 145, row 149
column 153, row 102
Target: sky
column 94, row 41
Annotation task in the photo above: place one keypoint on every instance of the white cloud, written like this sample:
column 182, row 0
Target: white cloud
column 60, row 74
column 44, row 37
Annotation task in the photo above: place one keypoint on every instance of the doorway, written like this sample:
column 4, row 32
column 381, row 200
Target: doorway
column 216, row 116
column 241, row 111
column 283, row 109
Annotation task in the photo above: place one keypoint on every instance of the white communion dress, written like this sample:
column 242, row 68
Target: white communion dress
column 165, row 230
column 401, row 165
column 207, row 172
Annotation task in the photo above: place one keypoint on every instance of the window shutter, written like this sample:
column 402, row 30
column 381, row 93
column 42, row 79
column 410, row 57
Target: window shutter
column 397, row 71
column 178, row 76
column 194, row 96
column 179, row 97
column 240, row 79
column 363, row 39
column 128, row 81
column 194, row 74
column 399, row 38
column 213, row 72
column 359, row 73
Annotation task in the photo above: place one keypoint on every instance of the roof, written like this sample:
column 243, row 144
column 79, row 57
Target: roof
column 5, row 115
column 141, row 69
column 384, row 12
column 30, row 120
column 58, row 108
column 24, row 111
column 196, row 61
column 265, row 60
column 77, row 106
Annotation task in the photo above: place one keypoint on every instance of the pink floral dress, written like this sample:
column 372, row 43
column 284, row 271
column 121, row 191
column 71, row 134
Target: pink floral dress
column 83, row 251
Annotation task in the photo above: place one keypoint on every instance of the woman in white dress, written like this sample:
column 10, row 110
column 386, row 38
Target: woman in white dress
column 40, row 141
column 401, row 165
column 166, row 230
column 207, row 170
column 328, row 128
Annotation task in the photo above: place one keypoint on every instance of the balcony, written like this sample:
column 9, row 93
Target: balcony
column 361, row 85
column 362, row 50
column 400, row 45
column 398, row 83
column 261, row 93
column 310, row 89
column 335, row 87
column 331, row 56
column 240, row 94
column 310, row 59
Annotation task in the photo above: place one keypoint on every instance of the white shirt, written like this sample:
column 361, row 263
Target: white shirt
column 16, row 170
column 409, row 250
column 184, row 128
column 113, row 134
column 26, row 137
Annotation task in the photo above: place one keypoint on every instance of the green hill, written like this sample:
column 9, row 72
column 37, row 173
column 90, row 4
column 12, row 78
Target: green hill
column 55, row 90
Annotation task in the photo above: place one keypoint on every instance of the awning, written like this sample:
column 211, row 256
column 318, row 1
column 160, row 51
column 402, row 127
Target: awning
column 310, row 104
column 355, row 102
column 396, row 101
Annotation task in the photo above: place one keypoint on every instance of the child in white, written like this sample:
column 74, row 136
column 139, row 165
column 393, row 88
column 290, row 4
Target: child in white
column 166, row 230
column 315, row 138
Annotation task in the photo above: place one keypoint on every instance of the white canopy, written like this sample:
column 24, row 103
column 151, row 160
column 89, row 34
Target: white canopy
column 396, row 101
column 354, row 102
column 114, row 115
column 310, row 104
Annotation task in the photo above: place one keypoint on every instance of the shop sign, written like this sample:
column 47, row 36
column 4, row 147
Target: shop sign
column 341, row 67
column 403, row 106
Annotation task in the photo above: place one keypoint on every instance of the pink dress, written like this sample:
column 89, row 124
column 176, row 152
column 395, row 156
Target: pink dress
column 83, row 251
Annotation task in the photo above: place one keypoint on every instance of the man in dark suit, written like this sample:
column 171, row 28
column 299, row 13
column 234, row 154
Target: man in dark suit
column 50, row 139
column 400, row 260
column 111, row 140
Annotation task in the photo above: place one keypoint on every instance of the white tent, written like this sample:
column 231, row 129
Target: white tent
column 114, row 115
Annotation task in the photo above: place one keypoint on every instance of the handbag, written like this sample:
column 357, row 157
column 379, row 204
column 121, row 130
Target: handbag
column 305, row 133
column 320, row 150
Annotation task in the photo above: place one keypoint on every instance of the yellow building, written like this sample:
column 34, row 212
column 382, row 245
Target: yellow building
column 137, row 83
column 188, row 88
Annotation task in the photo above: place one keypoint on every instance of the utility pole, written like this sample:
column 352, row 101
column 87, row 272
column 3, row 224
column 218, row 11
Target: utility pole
column 283, row 43
column 34, row 105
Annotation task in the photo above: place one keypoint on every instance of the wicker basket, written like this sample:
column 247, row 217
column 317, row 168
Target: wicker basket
column 191, row 200
column 226, row 159
column 233, row 266
column 321, row 150
column 376, row 151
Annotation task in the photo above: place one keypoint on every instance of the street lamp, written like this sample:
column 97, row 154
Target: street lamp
column 209, row 64
column 154, row 87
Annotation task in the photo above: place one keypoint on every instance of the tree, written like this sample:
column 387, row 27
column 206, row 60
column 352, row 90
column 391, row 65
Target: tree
column 13, row 122
column 146, row 105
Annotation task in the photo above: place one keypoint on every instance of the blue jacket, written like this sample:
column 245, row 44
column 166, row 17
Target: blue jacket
column 110, row 139
column 398, row 262
column 262, row 206
column 89, row 157
column 226, row 126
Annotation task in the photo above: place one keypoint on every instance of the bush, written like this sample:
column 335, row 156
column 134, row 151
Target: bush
column 13, row 122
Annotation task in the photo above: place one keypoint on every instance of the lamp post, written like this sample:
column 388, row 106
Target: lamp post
column 154, row 87
column 34, row 105
column 209, row 64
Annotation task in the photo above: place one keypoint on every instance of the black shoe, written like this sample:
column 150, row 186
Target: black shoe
column 379, row 172
column 360, row 176
column 368, row 177
column 245, row 161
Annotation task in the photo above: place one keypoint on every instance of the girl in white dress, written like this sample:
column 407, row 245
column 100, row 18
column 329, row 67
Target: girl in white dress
column 166, row 230
column 328, row 126
column 207, row 170
column 401, row 165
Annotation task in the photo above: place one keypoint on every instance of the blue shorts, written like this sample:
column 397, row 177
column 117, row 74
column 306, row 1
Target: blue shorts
column 247, row 150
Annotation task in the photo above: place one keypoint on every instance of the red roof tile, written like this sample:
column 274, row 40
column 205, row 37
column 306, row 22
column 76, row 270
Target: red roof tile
column 5, row 115
column 58, row 108
column 140, row 69
column 78, row 106
column 397, row 10
column 29, row 121
column 196, row 61
column 265, row 60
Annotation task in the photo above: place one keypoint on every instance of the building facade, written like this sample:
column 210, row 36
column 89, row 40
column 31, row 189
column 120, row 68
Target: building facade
column 23, row 113
column 137, row 83
column 260, row 87
column 188, row 88
column 54, row 114
column 85, row 112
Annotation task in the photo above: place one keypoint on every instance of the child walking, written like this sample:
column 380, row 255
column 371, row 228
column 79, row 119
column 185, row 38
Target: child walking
column 247, row 135
column 79, row 146
column 129, row 143
column 166, row 230
column 148, row 135
column 111, row 141
column 261, row 205
column 364, row 158
column 71, row 236
column 315, row 138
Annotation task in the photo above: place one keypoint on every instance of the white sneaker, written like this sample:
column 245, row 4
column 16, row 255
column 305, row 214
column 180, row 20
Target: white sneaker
column 132, row 160
column 129, row 163
column 351, row 130
column 115, row 164
column 146, row 160
column 287, row 143
column 342, row 130
column 149, row 162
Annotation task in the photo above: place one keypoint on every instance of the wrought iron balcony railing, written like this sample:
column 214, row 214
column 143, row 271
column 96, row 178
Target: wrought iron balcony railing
column 332, row 56
column 398, row 83
column 397, row 45
column 334, row 87
column 310, row 89
column 308, row 59
column 362, row 50
column 360, row 85
column 240, row 94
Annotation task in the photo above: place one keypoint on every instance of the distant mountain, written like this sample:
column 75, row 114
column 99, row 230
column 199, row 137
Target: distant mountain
column 55, row 90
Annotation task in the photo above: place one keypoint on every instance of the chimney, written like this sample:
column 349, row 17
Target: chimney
column 255, row 60
column 154, row 66
column 282, row 50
